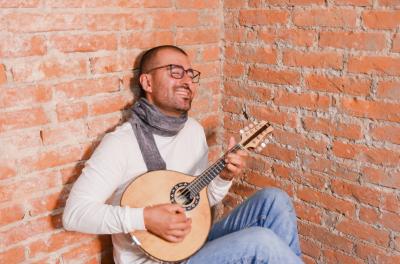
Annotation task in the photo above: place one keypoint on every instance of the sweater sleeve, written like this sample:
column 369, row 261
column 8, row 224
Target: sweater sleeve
column 86, row 209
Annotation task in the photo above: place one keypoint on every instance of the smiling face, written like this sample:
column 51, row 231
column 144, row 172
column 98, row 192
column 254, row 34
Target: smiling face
column 172, row 96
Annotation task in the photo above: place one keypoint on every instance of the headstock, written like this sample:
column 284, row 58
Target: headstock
column 254, row 136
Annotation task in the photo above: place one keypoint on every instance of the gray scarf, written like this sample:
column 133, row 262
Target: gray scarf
column 147, row 120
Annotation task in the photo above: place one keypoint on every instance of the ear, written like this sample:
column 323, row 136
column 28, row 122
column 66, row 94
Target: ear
column 145, row 81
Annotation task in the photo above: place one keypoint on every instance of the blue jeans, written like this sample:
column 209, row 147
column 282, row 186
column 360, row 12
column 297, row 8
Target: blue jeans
column 261, row 230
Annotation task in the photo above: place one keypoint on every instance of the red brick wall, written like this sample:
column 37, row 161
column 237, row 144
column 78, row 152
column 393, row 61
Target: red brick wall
column 326, row 74
column 65, row 70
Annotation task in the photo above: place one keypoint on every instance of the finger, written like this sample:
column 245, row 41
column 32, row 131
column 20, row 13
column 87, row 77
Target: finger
column 173, row 239
column 176, row 208
column 180, row 226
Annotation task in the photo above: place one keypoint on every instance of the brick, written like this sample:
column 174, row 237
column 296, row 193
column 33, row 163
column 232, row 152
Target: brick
column 277, row 152
column 332, row 256
column 146, row 40
column 27, row 95
column 20, row 190
column 378, row 156
column 115, row 22
column 353, row 40
column 157, row 3
column 354, row 2
column 396, row 42
column 211, row 4
column 333, row 84
column 114, row 63
column 56, row 242
column 260, row 3
column 14, row 255
column 361, row 194
column 380, row 177
column 375, row 19
column 198, row 36
column 7, row 169
column 30, row 229
column 259, row 179
column 374, row 65
column 307, row 101
column 390, row 221
column 233, row 70
column 386, row 133
column 389, row 90
column 234, row 4
column 64, row 133
column 390, row 202
column 392, row 3
column 299, row 141
column 114, row 103
column 71, row 110
column 11, row 214
column 297, row 37
column 363, row 231
column 42, row 22
column 369, row 215
column 339, row 18
column 313, row 59
column 370, row 109
column 262, row 17
column 16, row 45
column 3, row 75
column 326, row 201
column 81, row 88
column 308, row 213
column 325, row 236
column 167, row 19
column 273, row 116
column 51, row 158
column 47, row 203
column 13, row 142
column 24, row 118
column 254, row 93
column 19, row 3
column 97, row 126
column 310, row 248
column 86, row 250
column 69, row 174
column 315, row 163
column 84, row 43
column 397, row 242
column 334, row 128
column 211, row 53
column 274, row 76
column 265, row 55
column 48, row 68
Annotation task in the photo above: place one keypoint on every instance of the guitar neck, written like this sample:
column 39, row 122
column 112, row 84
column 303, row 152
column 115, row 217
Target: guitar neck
column 209, row 174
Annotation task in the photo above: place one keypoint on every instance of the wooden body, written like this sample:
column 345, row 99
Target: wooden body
column 154, row 188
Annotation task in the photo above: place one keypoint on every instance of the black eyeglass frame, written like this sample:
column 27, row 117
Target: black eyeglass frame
column 195, row 74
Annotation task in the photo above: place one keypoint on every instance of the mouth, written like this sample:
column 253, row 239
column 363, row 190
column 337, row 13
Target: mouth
column 183, row 92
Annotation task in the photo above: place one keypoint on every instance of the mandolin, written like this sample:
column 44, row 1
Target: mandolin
column 164, row 186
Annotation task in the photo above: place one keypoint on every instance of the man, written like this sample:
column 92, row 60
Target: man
column 158, row 135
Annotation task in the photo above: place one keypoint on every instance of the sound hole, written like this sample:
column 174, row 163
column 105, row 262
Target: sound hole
column 183, row 196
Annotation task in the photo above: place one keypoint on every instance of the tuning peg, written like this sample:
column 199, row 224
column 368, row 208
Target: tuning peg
column 241, row 131
column 263, row 145
column 255, row 121
column 246, row 128
column 259, row 149
column 251, row 125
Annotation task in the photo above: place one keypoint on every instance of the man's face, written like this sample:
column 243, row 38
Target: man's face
column 172, row 96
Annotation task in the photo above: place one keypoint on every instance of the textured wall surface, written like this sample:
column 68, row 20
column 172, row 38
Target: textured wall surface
column 65, row 79
column 326, row 74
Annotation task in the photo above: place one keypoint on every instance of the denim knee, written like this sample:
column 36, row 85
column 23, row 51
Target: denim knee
column 280, row 198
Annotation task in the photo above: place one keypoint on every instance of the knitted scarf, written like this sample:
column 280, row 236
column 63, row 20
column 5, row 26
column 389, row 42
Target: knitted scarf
column 146, row 120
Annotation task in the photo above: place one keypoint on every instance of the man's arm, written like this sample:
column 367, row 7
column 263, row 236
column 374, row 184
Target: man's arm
column 86, row 209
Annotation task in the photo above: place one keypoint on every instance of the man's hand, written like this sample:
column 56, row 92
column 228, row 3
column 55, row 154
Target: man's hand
column 167, row 221
column 234, row 162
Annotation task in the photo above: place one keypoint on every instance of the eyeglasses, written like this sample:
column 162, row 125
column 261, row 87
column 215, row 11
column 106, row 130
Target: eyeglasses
column 177, row 72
